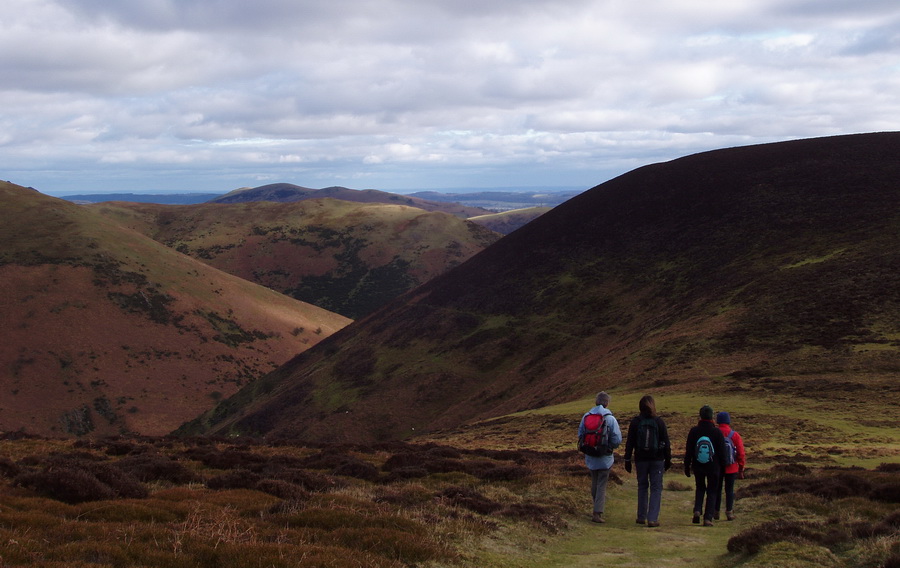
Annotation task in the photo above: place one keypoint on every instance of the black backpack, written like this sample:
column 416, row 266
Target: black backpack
column 647, row 444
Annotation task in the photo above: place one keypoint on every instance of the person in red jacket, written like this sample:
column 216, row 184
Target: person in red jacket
column 732, row 471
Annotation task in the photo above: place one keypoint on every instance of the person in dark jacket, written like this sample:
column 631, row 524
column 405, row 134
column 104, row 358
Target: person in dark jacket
column 648, row 443
column 704, row 455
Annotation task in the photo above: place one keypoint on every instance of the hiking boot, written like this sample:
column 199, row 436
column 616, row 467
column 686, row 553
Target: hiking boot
column 696, row 519
column 597, row 518
column 729, row 515
column 707, row 523
column 653, row 524
column 641, row 521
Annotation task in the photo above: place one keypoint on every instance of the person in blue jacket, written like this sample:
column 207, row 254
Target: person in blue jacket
column 599, row 466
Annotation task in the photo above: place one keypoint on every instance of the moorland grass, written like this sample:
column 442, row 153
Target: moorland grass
column 474, row 499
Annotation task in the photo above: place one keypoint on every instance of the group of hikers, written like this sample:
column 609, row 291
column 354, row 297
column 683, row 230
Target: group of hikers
column 714, row 454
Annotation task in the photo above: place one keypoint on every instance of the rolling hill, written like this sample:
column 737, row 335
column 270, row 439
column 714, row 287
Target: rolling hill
column 756, row 269
column 346, row 257
column 286, row 193
column 508, row 221
column 106, row 331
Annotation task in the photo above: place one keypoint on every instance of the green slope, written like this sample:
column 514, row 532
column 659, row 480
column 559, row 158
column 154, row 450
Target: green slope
column 349, row 258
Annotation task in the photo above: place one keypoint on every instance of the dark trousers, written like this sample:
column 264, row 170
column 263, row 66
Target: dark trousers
column 726, row 482
column 707, row 484
column 650, row 485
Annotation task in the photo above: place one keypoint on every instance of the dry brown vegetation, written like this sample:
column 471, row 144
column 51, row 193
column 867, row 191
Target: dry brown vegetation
column 844, row 517
column 168, row 502
column 173, row 503
column 104, row 328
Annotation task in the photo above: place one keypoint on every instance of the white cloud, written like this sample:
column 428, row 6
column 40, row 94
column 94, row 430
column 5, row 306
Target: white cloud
column 430, row 93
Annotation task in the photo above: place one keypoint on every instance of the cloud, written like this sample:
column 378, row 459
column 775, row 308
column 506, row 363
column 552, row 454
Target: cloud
column 212, row 94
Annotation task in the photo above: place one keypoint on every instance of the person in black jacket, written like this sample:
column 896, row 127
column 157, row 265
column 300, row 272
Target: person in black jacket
column 705, row 456
column 648, row 442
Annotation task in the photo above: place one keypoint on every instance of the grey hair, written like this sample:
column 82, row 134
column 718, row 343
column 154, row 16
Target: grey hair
column 602, row 399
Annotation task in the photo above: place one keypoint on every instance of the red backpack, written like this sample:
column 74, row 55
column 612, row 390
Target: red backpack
column 595, row 440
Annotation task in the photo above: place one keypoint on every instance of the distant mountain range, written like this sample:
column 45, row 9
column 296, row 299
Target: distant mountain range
column 481, row 202
column 770, row 266
column 285, row 192
column 485, row 208
column 106, row 331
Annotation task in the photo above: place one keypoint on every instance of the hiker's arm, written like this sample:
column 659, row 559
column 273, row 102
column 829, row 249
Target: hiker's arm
column 667, row 444
column 629, row 441
column 616, row 431
column 689, row 454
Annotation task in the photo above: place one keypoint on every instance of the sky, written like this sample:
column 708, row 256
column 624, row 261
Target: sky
column 213, row 95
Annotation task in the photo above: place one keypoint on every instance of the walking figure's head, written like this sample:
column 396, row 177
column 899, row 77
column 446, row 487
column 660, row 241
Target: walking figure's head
column 647, row 406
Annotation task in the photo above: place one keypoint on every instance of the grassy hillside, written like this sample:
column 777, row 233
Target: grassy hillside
column 349, row 258
column 758, row 269
column 508, row 221
column 107, row 331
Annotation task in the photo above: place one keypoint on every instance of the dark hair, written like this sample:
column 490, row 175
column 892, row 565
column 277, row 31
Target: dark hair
column 647, row 406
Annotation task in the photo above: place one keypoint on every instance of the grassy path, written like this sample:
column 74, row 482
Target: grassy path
column 622, row 542
column 801, row 421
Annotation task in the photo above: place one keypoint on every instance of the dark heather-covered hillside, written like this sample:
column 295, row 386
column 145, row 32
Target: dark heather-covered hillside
column 775, row 265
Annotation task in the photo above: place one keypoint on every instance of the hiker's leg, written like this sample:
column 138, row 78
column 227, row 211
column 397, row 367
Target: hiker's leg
column 699, row 491
column 712, row 484
column 600, row 477
column 655, row 474
column 643, row 480
column 729, row 490
column 718, row 500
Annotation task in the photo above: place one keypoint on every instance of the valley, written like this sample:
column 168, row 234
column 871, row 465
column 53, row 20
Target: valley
column 160, row 411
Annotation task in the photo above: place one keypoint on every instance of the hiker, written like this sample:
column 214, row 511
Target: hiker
column 736, row 459
column 599, row 465
column 704, row 455
column 648, row 442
